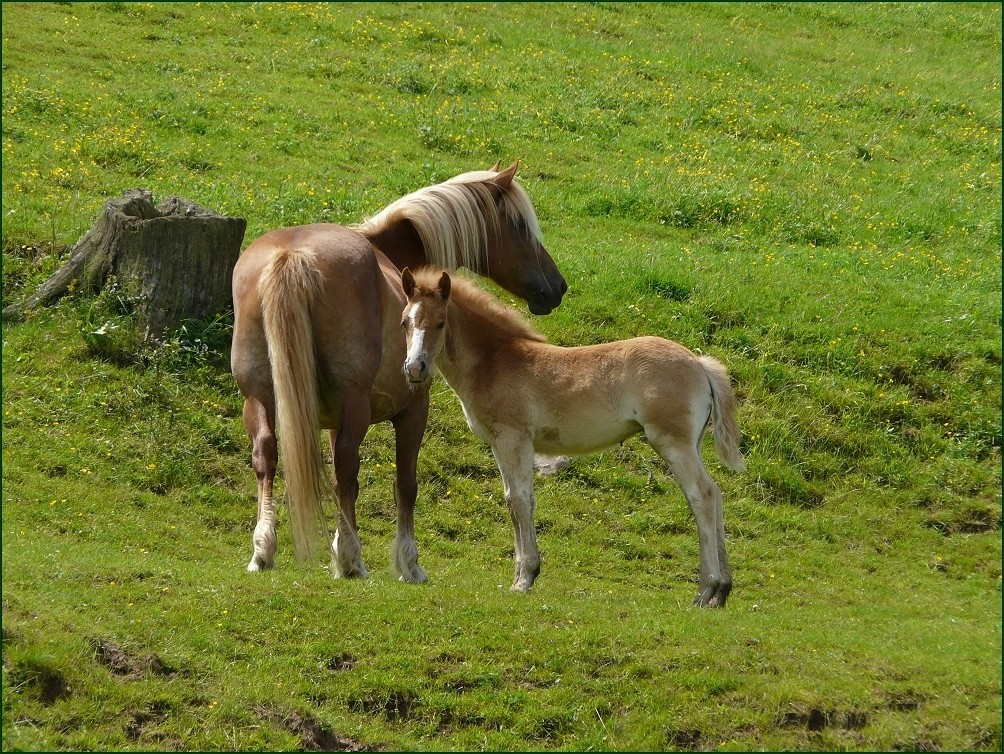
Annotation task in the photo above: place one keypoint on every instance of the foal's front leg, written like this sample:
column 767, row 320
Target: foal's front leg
column 514, row 456
column 409, row 429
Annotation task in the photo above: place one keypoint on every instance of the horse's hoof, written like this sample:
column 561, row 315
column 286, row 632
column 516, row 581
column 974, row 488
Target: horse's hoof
column 417, row 576
column 258, row 564
column 357, row 571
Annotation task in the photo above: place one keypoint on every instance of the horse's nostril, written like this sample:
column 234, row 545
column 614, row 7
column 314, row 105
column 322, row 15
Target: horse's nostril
column 564, row 287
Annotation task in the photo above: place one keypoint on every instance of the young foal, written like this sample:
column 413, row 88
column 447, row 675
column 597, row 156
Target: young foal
column 521, row 395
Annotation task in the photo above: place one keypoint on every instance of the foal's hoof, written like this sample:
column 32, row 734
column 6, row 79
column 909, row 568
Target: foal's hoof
column 521, row 586
column 550, row 465
column 713, row 596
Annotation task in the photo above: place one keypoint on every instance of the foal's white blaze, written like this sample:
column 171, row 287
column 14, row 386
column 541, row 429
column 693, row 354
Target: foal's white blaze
column 417, row 361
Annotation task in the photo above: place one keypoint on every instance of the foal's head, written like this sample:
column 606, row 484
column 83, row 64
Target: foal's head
column 424, row 323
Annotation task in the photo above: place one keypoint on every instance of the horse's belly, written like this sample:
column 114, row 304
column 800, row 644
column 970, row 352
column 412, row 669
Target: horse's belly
column 382, row 407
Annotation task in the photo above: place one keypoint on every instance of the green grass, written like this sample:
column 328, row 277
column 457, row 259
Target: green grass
column 810, row 192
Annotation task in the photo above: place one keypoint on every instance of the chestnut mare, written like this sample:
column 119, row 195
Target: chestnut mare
column 317, row 344
column 521, row 394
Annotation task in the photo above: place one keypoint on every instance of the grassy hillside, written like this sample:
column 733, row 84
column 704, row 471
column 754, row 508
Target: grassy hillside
column 809, row 192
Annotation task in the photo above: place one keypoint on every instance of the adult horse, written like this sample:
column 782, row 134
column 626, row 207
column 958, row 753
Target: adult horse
column 317, row 345
column 521, row 394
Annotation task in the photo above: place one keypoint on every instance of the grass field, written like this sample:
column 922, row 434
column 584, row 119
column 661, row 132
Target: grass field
column 809, row 192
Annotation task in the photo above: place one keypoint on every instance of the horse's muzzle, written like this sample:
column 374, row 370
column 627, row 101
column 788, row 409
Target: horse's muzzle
column 547, row 301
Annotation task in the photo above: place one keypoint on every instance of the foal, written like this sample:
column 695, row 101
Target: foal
column 521, row 394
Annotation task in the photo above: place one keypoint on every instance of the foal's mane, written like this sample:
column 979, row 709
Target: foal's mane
column 454, row 218
column 482, row 310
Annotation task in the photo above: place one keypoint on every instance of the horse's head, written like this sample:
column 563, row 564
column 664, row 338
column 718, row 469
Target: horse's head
column 518, row 261
column 424, row 323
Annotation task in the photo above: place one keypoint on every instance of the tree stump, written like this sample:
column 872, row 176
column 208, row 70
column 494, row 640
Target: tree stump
column 175, row 260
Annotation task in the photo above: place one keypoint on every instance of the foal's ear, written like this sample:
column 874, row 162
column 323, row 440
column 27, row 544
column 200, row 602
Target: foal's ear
column 504, row 179
column 495, row 168
column 408, row 282
column 444, row 286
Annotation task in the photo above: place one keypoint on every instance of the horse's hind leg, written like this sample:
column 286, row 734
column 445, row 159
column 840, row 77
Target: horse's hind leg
column 409, row 428
column 346, row 549
column 705, row 501
column 259, row 422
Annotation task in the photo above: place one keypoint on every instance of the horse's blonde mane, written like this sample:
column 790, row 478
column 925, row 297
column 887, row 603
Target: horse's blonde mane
column 454, row 218
column 483, row 310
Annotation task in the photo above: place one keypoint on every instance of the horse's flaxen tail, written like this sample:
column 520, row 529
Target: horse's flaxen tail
column 288, row 287
column 723, row 414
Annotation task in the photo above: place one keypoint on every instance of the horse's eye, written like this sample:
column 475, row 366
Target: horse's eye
column 441, row 325
column 404, row 323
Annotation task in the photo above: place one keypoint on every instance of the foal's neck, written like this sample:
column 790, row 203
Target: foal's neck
column 473, row 336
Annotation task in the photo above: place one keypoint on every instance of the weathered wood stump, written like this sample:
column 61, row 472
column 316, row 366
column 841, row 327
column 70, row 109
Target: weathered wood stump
column 175, row 260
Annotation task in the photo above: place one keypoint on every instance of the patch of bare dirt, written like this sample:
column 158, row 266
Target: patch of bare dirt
column 314, row 735
column 133, row 666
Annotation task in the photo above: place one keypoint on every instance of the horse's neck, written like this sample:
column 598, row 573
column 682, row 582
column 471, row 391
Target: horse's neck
column 401, row 244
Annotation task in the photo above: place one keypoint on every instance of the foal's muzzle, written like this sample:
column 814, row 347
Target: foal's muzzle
column 417, row 369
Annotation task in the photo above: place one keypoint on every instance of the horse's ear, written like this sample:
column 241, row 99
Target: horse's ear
column 444, row 286
column 504, row 179
column 408, row 282
column 495, row 168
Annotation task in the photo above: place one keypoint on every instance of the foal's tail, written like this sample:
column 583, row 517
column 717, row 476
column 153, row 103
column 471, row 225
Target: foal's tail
column 288, row 287
column 723, row 414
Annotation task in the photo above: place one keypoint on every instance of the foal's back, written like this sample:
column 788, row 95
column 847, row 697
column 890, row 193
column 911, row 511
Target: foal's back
column 586, row 398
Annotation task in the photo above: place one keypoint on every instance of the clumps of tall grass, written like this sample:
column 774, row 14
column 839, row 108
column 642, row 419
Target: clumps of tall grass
column 112, row 332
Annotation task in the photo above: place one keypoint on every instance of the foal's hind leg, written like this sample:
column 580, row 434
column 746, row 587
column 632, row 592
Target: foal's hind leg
column 705, row 501
column 346, row 549
column 409, row 428
column 259, row 422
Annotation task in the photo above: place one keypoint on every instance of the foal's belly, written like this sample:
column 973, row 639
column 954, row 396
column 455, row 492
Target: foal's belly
column 581, row 438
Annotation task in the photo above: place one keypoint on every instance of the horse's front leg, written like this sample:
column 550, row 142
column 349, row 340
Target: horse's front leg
column 409, row 429
column 259, row 422
column 346, row 549
column 514, row 455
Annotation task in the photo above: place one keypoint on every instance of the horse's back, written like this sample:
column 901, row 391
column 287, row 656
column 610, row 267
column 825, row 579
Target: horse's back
column 667, row 357
column 334, row 246
column 354, row 317
column 345, row 315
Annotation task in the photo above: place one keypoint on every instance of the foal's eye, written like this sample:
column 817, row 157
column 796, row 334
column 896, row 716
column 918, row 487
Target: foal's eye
column 404, row 323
